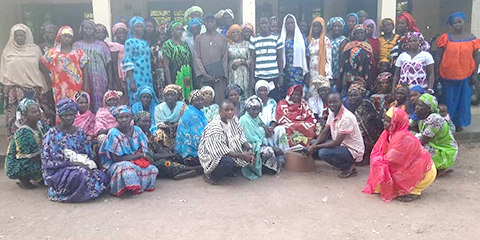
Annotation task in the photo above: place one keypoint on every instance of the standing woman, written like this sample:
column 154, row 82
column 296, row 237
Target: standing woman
column 151, row 32
column 136, row 62
column 117, row 50
column 295, row 53
column 387, row 41
column 320, row 49
column 239, row 60
column 405, row 23
column 248, row 30
column 372, row 36
column 99, row 57
column 335, row 28
column 67, row 64
column 48, row 31
column 351, row 19
column 101, row 32
column 458, row 59
column 177, row 60
column 20, row 73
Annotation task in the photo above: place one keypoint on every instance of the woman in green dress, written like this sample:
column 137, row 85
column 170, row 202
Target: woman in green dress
column 177, row 60
column 436, row 136
column 23, row 155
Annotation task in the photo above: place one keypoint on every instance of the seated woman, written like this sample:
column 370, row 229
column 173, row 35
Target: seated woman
column 67, row 160
column 383, row 93
column 235, row 94
column 256, row 132
column 318, row 102
column 125, row 156
column 190, row 129
column 146, row 100
column 400, row 99
column 168, row 163
column 84, row 118
column 23, row 156
column 276, row 136
column 399, row 166
column 104, row 119
column 294, row 114
column 223, row 146
column 436, row 136
column 167, row 115
column 415, row 93
column 368, row 119
column 210, row 108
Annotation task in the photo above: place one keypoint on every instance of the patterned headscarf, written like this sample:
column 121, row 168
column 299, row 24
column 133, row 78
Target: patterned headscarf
column 375, row 32
column 262, row 83
column 208, row 88
column 228, row 11
column 411, row 22
column 194, row 22
column 430, row 101
column 174, row 25
column 233, row 87
column 384, row 77
column 66, row 105
column 119, row 25
column 140, row 115
column 322, row 60
column 122, row 109
column 22, row 108
column 362, row 11
column 78, row 95
column 274, row 19
column 461, row 15
column 65, row 30
column 334, row 20
column 385, row 20
column 84, row 23
column 111, row 94
column 320, row 82
column 231, row 29
column 352, row 14
column 424, row 45
column 249, row 26
column 134, row 21
column 174, row 88
column 47, row 26
column 253, row 101
column 360, row 85
column 194, row 95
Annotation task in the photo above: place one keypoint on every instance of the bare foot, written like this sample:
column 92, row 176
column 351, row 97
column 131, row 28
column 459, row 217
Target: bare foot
column 25, row 184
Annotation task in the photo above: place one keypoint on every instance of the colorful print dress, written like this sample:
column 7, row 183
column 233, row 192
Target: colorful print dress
column 180, row 65
column 137, row 59
column 189, row 132
column 241, row 76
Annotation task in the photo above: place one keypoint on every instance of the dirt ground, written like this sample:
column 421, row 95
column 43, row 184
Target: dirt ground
column 286, row 206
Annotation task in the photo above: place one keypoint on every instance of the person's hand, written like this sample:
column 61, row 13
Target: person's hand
column 278, row 151
column 280, row 82
column 177, row 158
column 148, row 158
column 210, row 78
column 133, row 87
column 37, row 159
column 309, row 151
column 89, row 138
column 473, row 78
column 268, row 131
column 247, row 157
column 236, row 65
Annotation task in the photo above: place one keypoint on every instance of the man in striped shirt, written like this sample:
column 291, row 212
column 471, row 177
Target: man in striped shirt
column 267, row 60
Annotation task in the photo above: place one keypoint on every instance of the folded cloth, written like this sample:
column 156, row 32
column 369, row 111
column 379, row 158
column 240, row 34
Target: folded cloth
column 81, row 158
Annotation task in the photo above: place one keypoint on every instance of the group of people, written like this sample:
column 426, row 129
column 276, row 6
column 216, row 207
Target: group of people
column 218, row 99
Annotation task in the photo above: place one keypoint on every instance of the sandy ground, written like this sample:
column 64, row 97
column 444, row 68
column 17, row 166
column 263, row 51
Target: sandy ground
column 287, row 206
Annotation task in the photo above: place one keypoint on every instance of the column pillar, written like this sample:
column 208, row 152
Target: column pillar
column 475, row 19
column 248, row 11
column 386, row 9
column 102, row 13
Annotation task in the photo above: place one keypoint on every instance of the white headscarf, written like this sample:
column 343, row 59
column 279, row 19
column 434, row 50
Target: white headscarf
column 299, row 54
column 262, row 83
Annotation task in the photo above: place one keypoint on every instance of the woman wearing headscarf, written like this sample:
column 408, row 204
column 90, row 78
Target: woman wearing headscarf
column 358, row 60
column 137, row 63
column 399, row 167
column 239, row 59
column 457, row 59
column 126, row 157
column 146, row 100
column 157, row 62
column 369, row 121
column 248, row 30
column 117, row 50
column 386, row 43
column 68, row 165
column 372, row 36
column 20, row 73
column 23, row 160
column 294, row 114
column 190, row 129
column 415, row 66
column 405, row 24
column 351, row 21
column 415, row 94
column 295, row 53
column 335, row 28
column 167, row 115
column 97, row 68
column 210, row 108
column 277, row 136
column 320, row 88
column 274, row 26
column 256, row 133
column 320, row 51
column 225, row 19
column 84, row 118
column 48, row 31
column 177, row 60
column 192, row 13
column 383, row 92
column 194, row 27
column 151, row 33
column 101, row 32
column 362, row 16
column 235, row 94
column 436, row 136
column 104, row 119
column 401, row 98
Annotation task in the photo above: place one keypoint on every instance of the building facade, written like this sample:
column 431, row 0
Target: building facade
column 431, row 13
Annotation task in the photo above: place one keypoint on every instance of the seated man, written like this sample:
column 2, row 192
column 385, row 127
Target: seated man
column 223, row 146
column 346, row 146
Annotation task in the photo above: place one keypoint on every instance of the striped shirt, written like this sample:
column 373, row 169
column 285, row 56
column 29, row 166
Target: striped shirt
column 266, row 65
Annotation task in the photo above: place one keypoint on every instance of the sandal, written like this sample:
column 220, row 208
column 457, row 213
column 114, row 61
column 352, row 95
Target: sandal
column 408, row 198
column 184, row 175
column 26, row 184
column 347, row 174
column 442, row 173
column 209, row 180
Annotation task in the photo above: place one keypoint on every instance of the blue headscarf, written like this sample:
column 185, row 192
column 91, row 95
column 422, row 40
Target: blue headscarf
column 122, row 109
column 120, row 18
column 194, row 22
column 66, row 105
column 455, row 15
column 149, row 90
column 334, row 20
column 134, row 21
column 416, row 88
column 345, row 29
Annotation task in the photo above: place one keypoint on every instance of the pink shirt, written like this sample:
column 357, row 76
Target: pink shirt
column 346, row 123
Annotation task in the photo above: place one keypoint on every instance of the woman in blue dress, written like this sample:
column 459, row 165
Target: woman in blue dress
column 67, row 160
column 136, row 62
column 145, row 100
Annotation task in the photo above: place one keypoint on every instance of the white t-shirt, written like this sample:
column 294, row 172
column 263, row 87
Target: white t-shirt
column 414, row 71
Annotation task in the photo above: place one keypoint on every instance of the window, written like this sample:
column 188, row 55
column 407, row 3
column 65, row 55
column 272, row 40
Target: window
column 164, row 12
column 303, row 10
column 404, row 6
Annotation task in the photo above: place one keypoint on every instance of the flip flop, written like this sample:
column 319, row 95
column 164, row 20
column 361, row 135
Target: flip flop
column 209, row 180
column 345, row 174
column 184, row 175
column 443, row 173
column 408, row 198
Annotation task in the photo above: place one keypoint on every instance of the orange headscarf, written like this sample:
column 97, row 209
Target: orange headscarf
column 231, row 29
column 321, row 45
